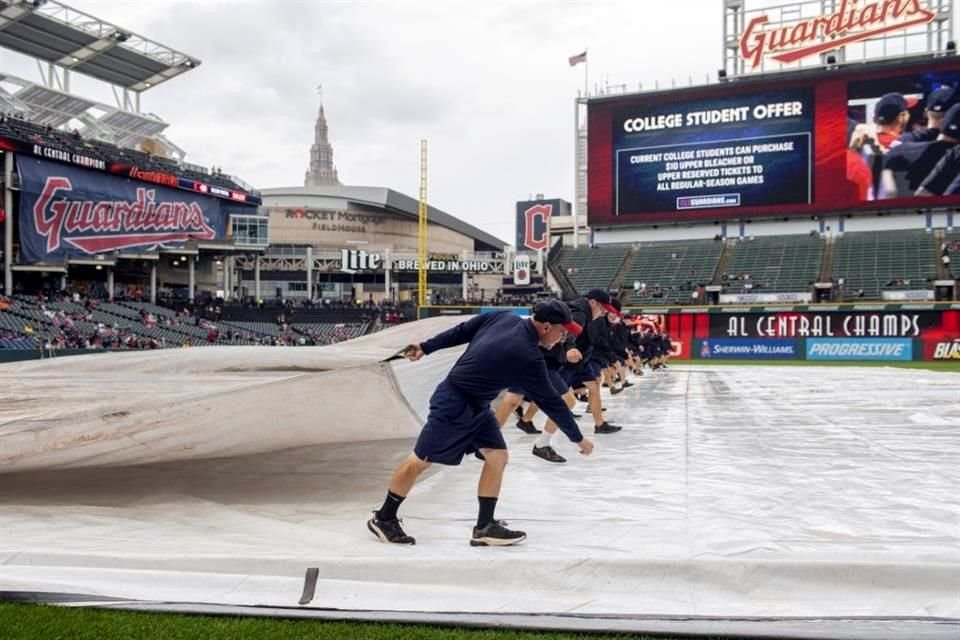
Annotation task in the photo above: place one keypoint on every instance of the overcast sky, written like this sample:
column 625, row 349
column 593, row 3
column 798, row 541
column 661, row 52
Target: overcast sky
column 486, row 83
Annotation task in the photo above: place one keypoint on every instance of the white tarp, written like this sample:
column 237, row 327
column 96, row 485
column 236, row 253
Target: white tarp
column 731, row 491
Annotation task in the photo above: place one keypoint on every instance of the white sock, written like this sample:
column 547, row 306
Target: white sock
column 543, row 440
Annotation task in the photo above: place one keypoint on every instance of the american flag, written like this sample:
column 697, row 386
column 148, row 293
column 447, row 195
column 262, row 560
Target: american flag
column 577, row 59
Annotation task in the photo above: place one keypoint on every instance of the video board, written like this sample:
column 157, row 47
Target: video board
column 819, row 142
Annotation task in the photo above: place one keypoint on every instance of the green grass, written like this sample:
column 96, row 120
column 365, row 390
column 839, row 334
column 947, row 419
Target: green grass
column 39, row 622
column 933, row 365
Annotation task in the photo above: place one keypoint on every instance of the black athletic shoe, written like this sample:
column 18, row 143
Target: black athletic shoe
column 389, row 531
column 627, row 384
column 606, row 427
column 527, row 427
column 577, row 415
column 495, row 534
column 582, row 397
column 605, row 385
column 548, row 454
column 615, row 391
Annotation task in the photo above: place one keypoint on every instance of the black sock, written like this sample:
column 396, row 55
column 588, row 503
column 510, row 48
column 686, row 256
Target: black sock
column 487, row 507
column 389, row 509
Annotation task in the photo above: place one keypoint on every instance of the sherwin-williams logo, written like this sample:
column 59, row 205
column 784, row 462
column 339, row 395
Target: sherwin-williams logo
column 105, row 225
column 851, row 22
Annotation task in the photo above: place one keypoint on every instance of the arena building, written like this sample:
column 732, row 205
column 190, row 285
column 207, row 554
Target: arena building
column 330, row 241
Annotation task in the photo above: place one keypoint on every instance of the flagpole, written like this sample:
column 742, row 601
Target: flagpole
column 586, row 64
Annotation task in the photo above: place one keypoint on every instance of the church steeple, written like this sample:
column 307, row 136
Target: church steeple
column 322, row 171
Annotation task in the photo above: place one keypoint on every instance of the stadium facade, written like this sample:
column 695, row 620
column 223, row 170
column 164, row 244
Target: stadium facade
column 96, row 198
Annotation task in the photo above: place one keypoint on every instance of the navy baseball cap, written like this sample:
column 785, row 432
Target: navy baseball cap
column 603, row 298
column 556, row 312
column 941, row 99
column 951, row 122
column 890, row 106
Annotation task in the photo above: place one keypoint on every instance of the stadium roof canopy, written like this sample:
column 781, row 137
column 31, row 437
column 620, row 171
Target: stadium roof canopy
column 53, row 32
column 383, row 199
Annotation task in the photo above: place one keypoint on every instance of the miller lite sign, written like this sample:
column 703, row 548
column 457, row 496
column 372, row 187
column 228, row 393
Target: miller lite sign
column 69, row 212
column 852, row 21
column 521, row 270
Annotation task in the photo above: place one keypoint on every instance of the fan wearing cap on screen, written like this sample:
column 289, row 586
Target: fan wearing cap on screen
column 938, row 103
column 940, row 180
column 891, row 114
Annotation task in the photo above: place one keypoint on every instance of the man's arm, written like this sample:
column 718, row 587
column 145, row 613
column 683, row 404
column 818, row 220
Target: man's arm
column 460, row 334
column 536, row 385
column 941, row 176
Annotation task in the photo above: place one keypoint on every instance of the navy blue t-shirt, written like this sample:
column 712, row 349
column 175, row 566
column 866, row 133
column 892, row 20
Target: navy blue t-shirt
column 916, row 159
column 503, row 353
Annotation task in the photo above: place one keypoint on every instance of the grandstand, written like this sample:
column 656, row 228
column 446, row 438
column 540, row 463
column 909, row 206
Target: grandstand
column 776, row 263
column 861, row 264
column 669, row 272
column 884, row 260
column 590, row 267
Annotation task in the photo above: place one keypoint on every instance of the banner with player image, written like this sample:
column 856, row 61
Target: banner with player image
column 902, row 135
column 799, row 145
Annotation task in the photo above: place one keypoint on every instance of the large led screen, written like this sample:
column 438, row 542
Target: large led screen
column 825, row 142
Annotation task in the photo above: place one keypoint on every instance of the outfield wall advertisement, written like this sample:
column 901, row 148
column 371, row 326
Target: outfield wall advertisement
column 800, row 145
column 883, row 335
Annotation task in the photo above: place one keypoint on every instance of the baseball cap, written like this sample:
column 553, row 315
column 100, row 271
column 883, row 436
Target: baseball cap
column 941, row 99
column 556, row 312
column 890, row 106
column 951, row 122
column 603, row 298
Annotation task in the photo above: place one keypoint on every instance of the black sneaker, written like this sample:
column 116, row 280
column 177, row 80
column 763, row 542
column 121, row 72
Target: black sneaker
column 495, row 534
column 605, row 385
column 577, row 415
column 527, row 427
column 389, row 531
column 627, row 384
column 548, row 453
column 582, row 397
column 614, row 391
column 606, row 427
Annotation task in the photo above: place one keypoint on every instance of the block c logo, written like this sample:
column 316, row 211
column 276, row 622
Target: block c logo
column 535, row 228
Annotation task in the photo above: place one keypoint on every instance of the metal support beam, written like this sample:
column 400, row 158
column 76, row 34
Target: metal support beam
column 153, row 282
column 309, row 269
column 256, row 279
column 192, row 264
column 387, row 266
column 8, row 225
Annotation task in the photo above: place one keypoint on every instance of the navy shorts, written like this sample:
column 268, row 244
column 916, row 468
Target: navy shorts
column 576, row 378
column 556, row 380
column 455, row 428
